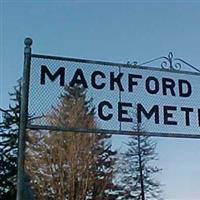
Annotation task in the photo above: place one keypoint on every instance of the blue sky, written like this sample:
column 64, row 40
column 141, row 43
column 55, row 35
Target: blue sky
column 111, row 31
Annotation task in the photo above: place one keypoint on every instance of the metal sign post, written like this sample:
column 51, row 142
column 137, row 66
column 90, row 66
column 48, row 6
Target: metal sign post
column 23, row 119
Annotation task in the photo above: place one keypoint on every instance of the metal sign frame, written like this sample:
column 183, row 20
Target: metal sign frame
column 167, row 65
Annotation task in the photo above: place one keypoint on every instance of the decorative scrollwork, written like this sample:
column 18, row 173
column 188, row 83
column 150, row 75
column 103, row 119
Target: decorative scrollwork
column 170, row 63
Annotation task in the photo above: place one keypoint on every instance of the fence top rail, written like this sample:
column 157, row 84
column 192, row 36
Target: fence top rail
column 114, row 64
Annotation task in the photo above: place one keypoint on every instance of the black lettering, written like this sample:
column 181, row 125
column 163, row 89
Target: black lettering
column 168, row 83
column 154, row 111
column 93, row 80
column 167, row 114
column 45, row 71
column 79, row 79
column 100, row 110
column 199, row 116
column 117, row 80
column 122, row 112
column 187, row 114
column 155, row 89
column 132, row 82
column 184, row 91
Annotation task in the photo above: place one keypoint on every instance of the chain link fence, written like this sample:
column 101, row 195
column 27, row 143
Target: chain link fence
column 77, row 94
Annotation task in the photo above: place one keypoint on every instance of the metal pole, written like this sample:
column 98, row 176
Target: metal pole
column 141, row 169
column 23, row 119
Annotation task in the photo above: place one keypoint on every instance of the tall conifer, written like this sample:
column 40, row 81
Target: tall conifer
column 139, row 169
column 9, row 129
column 71, row 165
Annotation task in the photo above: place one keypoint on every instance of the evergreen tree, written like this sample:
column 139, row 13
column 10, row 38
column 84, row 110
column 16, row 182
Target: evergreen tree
column 71, row 165
column 103, row 170
column 9, row 129
column 139, row 170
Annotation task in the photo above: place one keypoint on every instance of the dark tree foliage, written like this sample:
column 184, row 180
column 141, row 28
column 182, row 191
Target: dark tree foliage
column 103, row 186
column 9, row 128
column 139, row 170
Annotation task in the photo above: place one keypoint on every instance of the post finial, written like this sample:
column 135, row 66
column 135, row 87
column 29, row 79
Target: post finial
column 28, row 42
